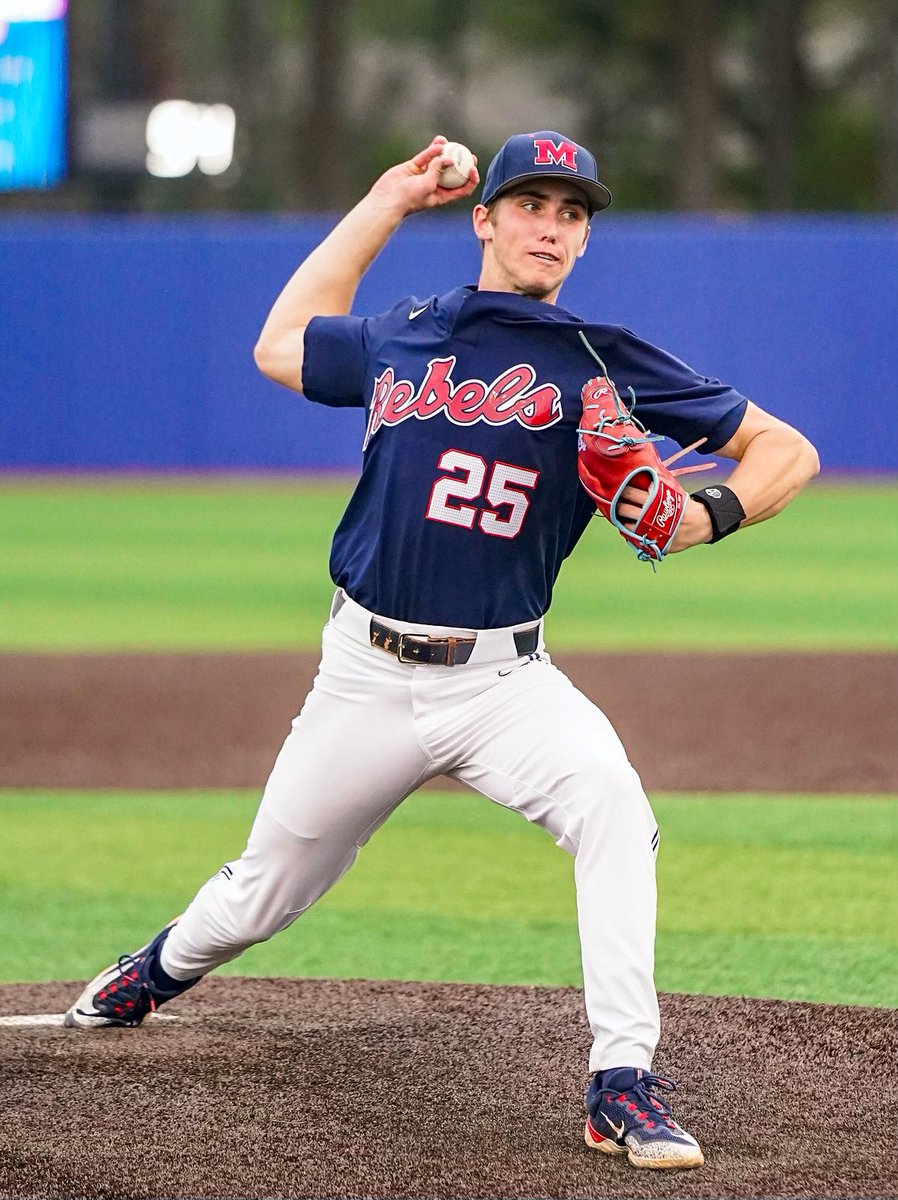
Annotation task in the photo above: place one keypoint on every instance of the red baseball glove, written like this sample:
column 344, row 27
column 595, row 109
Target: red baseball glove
column 615, row 452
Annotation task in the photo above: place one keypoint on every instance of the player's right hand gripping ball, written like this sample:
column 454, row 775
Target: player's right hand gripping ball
column 456, row 175
column 615, row 451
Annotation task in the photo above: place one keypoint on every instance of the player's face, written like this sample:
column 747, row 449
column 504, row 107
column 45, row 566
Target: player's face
column 532, row 237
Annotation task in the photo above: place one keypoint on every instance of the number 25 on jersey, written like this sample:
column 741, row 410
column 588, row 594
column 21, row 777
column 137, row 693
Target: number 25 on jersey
column 505, row 489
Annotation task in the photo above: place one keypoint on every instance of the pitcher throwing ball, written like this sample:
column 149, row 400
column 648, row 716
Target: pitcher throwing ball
column 485, row 408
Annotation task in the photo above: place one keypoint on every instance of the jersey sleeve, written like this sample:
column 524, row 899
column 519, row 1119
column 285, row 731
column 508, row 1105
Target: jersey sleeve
column 334, row 361
column 674, row 400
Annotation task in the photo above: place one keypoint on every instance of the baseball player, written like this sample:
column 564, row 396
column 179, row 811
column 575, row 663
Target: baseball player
column 444, row 562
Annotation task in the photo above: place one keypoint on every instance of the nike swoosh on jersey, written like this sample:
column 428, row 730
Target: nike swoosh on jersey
column 416, row 312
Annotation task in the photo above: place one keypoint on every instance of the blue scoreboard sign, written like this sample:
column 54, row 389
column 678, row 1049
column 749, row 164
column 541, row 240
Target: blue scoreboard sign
column 32, row 93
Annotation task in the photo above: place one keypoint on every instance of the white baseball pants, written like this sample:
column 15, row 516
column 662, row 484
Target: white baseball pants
column 372, row 730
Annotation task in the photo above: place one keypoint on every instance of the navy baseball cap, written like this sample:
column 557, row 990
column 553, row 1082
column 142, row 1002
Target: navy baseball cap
column 544, row 155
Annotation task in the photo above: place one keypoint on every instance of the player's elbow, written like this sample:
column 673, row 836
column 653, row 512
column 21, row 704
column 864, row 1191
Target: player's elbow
column 797, row 456
column 280, row 359
column 262, row 356
column 813, row 461
column 807, row 456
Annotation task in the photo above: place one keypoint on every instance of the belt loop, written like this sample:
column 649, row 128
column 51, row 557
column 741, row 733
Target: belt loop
column 526, row 640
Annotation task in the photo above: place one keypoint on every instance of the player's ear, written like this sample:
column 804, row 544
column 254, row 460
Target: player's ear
column 582, row 249
column 483, row 228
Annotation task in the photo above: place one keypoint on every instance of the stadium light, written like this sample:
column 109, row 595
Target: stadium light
column 182, row 135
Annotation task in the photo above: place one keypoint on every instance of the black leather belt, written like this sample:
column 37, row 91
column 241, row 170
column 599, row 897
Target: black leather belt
column 420, row 650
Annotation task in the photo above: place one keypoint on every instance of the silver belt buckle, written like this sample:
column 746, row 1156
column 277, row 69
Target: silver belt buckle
column 448, row 644
column 400, row 651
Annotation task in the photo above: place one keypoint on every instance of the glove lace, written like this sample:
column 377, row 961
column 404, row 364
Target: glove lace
column 623, row 415
column 649, row 551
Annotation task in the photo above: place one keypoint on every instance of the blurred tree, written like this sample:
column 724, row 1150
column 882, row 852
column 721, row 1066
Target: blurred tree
column 414, row 79
column 736, row 104
column 327, row 176
column 233, row 46
column 603, row 70
column 451, row 31
column 784, row 93
column 885, row 32
column 133, row 62
column 695, row 36
column 836, row 158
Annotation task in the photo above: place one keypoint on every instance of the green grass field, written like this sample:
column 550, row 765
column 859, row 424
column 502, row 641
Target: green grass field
column 243, row 565
column 789, row 897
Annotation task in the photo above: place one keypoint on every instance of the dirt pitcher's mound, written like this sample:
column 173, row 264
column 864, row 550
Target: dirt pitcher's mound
column 302, row 1088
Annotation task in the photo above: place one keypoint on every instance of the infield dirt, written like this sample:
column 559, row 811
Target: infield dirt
column 304, row 1088
column 705, row 722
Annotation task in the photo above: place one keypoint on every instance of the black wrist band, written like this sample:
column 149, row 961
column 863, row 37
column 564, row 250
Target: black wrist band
column 724, row 509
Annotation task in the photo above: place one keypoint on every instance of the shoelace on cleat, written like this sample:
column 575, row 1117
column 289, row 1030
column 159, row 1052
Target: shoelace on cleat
column 648, row 1103
column 129, row 997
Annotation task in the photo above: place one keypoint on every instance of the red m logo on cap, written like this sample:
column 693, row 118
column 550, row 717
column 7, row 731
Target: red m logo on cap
column 564, row 154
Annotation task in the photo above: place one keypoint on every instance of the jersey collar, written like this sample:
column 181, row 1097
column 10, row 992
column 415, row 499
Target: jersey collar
column 508, row 307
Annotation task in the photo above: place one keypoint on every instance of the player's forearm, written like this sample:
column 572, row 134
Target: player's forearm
column 774, row 467
column 324, row 285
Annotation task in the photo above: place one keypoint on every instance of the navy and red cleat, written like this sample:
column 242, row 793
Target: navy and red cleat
column 624, row 1116
column 124, row 993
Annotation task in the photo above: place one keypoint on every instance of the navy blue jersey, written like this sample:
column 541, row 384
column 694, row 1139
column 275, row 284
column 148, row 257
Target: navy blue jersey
column 469, row 499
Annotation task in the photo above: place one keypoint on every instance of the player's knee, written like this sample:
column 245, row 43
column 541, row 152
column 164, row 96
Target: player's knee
column 250, row 928
column 242, row 912
column 621, row 784
column 601, row 792
column 603, row 781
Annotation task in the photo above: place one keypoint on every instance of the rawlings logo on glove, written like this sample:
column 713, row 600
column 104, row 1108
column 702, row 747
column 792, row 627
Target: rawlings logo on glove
column 616, row 452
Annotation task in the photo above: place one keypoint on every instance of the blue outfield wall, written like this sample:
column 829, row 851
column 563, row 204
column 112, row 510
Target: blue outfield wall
column 127, row 343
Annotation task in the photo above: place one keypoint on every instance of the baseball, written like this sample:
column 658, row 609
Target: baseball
column 456, row 175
